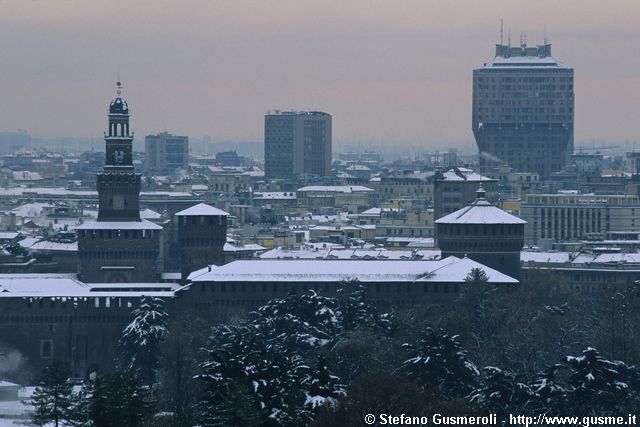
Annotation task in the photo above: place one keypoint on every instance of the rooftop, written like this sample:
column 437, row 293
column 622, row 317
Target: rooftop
column 524, row 62
column 202, row 209
column 451, row 269
column 463, row 174
column 480, row 212
column 336, row 188
column 119, row 225
column 61, row 285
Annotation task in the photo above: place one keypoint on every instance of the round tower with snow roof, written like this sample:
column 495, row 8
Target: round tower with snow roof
column 202, row 232
column 483, row 233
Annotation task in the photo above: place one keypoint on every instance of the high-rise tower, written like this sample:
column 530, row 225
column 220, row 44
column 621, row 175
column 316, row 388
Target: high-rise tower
column 118, row 184
column 119, row 246
column 297, row 143
column 523, row 110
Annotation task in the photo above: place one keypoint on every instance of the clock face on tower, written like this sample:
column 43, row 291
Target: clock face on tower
column 118, row 202
column 118, row 157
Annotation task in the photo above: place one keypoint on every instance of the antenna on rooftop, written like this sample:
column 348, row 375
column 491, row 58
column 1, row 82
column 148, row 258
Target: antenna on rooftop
column 546, row 39
column 501, row 33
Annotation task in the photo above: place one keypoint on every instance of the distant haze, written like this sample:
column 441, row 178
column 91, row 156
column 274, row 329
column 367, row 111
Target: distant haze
column 396, row 72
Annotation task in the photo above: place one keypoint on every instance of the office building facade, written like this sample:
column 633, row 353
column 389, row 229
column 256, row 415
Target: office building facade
column 165, row 152
column 297, row 143
column 573, row 217
column 523, row 110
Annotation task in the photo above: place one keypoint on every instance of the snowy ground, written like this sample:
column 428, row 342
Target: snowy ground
column 14, row 413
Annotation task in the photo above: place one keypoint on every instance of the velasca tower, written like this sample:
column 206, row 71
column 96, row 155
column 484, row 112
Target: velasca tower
column 523, row 110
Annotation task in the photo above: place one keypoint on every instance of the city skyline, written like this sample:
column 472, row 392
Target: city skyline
column 385, row 73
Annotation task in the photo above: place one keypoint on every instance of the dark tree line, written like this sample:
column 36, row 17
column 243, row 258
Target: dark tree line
column 312, row 360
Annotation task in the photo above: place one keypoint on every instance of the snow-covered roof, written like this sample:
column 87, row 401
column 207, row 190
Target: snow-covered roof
column 248, row 247
column 451, row 269
column 358, row 168
column 463, row 174
column 524, row 62
column 56, row 191
column 336, row 188
column 480, row 212
column 581, row 260
column 202, row 209
column 274, row 195
column 349, row 254
column 377, row 211
column 455, row 270
column 29, row 241
column 51, row 191
column 120, row 287
column 149, row 214
column 26, row 176
column 46, row 245
column 545, row 257
column 119, row 225
column 41, row 285
column 8, row 235
column 56, row 285
column 30, row 209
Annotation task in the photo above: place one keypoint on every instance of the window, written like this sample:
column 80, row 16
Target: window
column 46, row 349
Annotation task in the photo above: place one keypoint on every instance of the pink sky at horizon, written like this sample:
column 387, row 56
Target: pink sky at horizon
column 393, row 71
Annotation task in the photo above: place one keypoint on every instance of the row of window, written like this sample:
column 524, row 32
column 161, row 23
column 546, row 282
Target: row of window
column 326, row 288
column 129, row 254
column 526, row 79
column 52, row 320
column 201, row 242
column 96, row 302
column 480, row 229
column 118, row 234
column 202, row 220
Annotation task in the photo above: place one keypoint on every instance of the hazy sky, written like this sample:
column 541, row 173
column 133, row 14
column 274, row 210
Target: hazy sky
column 396, row 71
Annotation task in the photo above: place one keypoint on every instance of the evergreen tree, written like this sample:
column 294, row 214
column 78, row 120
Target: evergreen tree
column 300, row 321
column 439, row 361
column 256, row 372
column 476, row 276
column 119, row 399
column 549, row 392
column 229, row 397
column 141, row 338
column 180, row 356
column 78, row 413
column 597, row 385
column 53, row 396
column 320, row 387
column 356, row 310
column 501, row 393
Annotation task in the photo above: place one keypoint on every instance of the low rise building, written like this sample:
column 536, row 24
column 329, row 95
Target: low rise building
column 570, row 217
column 221, row 292
column 353, row 198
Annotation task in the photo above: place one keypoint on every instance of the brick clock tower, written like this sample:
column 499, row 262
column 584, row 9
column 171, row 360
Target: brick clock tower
column 119, row 246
